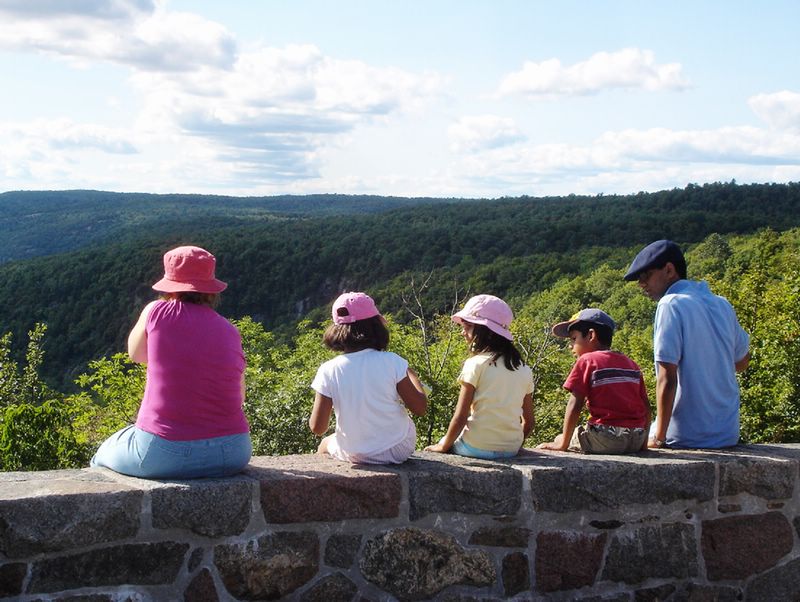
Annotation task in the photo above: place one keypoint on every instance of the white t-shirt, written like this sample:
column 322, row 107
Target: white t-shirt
column 370, row 416
column 495, row 421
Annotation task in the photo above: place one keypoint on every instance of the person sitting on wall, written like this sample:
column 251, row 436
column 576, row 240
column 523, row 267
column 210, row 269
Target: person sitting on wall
column 698, row 346
column 609, row 383
column 190, row 423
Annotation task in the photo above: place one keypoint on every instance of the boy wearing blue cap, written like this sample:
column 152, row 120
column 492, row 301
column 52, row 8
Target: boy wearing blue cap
column 698, row 346
column 610, row 384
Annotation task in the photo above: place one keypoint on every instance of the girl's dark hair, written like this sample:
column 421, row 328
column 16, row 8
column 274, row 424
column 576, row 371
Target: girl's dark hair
column 370, row 333
column 208, row 299
column 485, row 340
column 604, row 334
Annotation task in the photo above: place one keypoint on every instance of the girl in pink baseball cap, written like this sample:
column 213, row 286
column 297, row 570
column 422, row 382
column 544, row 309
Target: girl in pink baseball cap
column 367, row 387
column 494, row 412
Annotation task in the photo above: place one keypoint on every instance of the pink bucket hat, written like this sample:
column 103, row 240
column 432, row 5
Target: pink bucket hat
column 350, row 307
column 490, row 311
column 189, row 269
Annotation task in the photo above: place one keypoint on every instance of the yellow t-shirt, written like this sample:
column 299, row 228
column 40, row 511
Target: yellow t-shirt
column 495, row 422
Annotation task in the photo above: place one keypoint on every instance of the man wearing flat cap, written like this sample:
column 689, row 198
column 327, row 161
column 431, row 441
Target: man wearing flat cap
column 698, row 346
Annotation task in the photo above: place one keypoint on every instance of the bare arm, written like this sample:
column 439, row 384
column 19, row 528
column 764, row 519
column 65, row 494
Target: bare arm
column 528, row 419
column 458, row 421
column 137, row 339
column 571, row 417
column 742, row 364
column 666, row 387
column 320, row 414
column 412, row 393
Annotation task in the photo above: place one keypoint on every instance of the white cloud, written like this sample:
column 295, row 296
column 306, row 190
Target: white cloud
column 632, row 160
column 275, row 108
column 481, row 132
column 626, row 68
column 139, row 34
column 780, row 110
column 58, row 9
column 55, row 152
column 43, row 136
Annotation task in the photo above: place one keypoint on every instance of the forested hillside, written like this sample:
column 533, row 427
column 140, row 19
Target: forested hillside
column 33, row 224
column 41, row 428
column 279, row 270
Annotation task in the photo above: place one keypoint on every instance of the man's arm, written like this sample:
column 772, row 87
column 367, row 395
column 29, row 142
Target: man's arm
column 742, row 364
column 666, row 387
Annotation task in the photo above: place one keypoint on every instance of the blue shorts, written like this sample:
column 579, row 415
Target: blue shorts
column 138, row 453
column 462, row 448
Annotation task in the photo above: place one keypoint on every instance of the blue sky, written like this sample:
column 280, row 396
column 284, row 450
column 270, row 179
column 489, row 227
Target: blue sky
column 438, row 98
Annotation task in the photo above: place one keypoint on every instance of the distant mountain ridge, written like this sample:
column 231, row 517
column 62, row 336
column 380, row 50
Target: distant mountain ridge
column 280, row 266
column 34, row 224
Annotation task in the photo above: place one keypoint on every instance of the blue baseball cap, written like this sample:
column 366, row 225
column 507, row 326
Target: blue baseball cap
column 655, row 255
column 591, row 314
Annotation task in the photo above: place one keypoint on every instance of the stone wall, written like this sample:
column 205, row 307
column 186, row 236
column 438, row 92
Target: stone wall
column 664, row 525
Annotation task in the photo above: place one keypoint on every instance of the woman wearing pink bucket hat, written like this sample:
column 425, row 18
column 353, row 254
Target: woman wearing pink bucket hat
column 190, row 423
column 494, row 412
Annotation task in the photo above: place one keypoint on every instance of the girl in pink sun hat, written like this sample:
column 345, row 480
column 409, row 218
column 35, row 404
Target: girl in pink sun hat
column 369, row 389
column 190, row 423
column 494, row 412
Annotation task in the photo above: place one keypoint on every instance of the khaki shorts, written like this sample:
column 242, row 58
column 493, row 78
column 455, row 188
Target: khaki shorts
column 604, row 439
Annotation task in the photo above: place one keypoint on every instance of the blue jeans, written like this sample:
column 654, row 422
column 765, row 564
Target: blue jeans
column 461, row 448
column 138, row 453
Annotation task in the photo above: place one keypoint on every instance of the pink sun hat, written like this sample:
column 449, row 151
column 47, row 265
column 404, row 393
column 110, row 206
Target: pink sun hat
column 490, row 311
column 189, row 269
column 351, row 307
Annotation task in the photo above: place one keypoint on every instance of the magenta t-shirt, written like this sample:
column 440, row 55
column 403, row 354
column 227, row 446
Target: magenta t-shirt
column 194, row 371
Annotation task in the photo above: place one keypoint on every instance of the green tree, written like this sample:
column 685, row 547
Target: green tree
column 25, row 385
column 40, row 437
column 111, row 393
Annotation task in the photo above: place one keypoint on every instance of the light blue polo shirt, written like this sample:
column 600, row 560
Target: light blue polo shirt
column 699, row 332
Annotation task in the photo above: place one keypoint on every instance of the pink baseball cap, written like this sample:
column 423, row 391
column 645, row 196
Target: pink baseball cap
column 490, row 311
column 350, row 307
column 189, row 269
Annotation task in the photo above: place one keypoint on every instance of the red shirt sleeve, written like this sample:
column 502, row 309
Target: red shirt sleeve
column 579, row 379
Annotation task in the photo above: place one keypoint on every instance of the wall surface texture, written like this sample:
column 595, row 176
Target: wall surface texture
column 662, row 525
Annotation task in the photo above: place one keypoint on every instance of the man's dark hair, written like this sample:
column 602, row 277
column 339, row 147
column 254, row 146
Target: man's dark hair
column 604, row 334
column 678, row 262
column 370, row 333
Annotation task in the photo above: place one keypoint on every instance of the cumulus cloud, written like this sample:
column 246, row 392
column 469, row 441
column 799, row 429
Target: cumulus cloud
column 273, row 110
column 61, row 153
column 41, row 136
column 262, row 113
column 728, row 145
column 627, row 68
column 780, row 110
column 623, row 161
column 58, row 9
column 137, row 33
column 481, row 132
